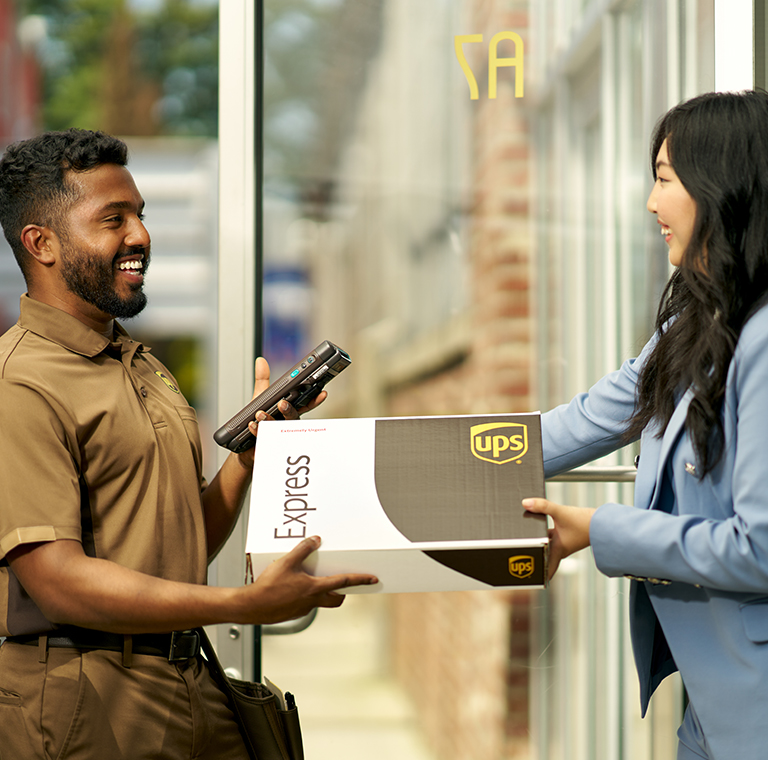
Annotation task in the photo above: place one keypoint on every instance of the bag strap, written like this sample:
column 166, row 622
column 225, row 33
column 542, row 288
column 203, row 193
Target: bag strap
column 206, row 647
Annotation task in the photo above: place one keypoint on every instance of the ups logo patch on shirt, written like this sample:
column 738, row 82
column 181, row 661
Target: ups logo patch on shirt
column 167, row 380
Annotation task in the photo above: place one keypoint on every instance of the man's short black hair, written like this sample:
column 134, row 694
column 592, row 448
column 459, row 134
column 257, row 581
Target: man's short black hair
column 33, row 179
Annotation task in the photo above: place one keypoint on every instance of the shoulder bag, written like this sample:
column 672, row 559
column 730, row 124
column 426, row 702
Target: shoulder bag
column 270, row 729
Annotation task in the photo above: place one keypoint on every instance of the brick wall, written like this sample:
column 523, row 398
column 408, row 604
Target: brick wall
column 464, row 656
column 464, row 659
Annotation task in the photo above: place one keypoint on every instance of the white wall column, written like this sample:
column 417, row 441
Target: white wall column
column 237, row 272
column 734, row 45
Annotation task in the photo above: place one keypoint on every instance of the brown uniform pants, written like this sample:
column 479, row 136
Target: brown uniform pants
column 87, row 706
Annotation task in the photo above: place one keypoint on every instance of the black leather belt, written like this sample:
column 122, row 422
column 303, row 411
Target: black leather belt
column 175, row 646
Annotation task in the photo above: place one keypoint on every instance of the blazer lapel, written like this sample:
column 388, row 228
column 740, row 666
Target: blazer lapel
column 662, row 449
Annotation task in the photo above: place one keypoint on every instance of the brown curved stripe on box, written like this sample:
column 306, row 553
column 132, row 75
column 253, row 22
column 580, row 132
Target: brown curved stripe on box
column 496, row 567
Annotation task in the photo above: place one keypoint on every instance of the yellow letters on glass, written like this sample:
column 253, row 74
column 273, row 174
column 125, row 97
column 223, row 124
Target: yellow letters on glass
column 494, row 62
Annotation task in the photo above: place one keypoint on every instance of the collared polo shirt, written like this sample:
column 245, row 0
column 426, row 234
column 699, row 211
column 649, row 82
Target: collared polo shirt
column 97, row 444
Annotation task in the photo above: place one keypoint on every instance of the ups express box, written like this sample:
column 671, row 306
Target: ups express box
column 423, row 503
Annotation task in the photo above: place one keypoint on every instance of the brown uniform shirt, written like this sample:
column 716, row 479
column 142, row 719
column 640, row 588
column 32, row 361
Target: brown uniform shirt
column 97, row 444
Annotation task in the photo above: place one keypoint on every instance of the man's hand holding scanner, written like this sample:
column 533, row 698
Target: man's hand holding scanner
column 261, row 383
column 570, row 533
column 228, row 489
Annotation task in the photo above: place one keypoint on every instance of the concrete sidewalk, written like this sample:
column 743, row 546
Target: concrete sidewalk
column 349, row 704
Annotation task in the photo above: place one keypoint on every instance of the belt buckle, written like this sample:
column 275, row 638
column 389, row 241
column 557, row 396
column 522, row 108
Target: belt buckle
column 184, row 645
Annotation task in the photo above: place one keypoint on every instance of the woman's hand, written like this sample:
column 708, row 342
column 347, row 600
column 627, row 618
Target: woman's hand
column 571, row 531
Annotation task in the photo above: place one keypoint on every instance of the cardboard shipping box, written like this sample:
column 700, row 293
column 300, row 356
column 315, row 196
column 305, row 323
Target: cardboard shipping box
column 423, row 503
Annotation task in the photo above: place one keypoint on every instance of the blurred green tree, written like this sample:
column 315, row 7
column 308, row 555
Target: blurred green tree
column 129, row 68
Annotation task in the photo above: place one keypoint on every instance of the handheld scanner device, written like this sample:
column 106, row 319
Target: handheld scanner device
column 298, row 386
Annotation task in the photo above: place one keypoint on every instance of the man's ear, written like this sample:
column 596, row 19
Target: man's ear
column 41, row 243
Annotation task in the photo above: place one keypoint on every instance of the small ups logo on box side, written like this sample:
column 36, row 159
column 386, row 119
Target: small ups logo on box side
column 521, row 566
column 499, row 442
column 494, row 566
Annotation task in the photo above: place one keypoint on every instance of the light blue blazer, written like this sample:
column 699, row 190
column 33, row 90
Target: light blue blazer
column 708, row 536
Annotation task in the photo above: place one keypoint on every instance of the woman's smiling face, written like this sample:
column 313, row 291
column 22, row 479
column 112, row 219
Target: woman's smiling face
column 674, row 208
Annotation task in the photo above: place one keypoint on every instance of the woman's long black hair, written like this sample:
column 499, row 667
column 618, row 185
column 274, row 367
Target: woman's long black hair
column 718, row 147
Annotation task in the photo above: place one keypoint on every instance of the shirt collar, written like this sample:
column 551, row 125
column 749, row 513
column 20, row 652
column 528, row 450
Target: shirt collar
column 67, row 331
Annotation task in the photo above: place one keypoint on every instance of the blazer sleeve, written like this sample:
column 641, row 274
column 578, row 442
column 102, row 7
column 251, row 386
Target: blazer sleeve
column 593, row 423
column 719, row 539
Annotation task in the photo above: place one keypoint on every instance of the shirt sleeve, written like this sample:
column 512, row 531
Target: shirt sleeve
column 39, row 487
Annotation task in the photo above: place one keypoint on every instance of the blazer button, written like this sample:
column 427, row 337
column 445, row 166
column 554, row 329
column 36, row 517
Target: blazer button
column 653, row 581
column 143, row 392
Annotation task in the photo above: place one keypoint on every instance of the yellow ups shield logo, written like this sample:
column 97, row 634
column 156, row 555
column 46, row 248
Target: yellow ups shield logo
column 167, row 381
column 499, row 442
column 521, row 566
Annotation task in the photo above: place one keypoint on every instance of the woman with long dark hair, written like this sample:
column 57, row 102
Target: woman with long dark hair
column 696, row 542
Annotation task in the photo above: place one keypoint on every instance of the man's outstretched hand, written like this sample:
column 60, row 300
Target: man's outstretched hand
column 284, row 591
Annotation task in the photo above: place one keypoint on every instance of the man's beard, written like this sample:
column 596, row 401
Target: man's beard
column 92, row 278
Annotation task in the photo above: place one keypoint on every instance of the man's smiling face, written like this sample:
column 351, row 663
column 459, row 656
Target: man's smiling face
column 105, row 248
